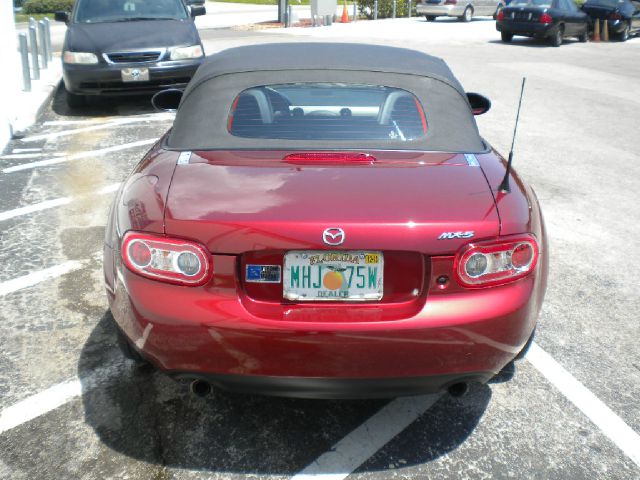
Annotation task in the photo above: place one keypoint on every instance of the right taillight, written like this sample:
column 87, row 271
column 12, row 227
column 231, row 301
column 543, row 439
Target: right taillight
column 500, row 16
column 450, row 2
column 546, row 18
column 615, row 16
column 496, row 262
column 172, row 260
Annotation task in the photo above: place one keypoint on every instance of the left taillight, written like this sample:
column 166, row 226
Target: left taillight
column 496, row 262
column 171, row 260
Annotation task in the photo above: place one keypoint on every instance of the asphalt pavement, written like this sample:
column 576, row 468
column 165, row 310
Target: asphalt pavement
column 72, row 407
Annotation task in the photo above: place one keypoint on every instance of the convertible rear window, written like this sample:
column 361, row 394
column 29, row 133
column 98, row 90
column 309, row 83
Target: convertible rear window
column 327, row 111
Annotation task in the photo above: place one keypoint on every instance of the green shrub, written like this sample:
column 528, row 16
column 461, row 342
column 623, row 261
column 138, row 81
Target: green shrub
column 385, row 8
column 47, row 6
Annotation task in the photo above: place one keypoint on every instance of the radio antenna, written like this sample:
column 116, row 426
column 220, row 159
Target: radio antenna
column 504, row 186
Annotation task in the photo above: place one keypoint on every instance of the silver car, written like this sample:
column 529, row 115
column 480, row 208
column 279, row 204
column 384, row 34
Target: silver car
column 463, row 9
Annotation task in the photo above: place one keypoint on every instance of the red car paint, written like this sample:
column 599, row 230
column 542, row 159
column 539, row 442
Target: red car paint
column 252, row 206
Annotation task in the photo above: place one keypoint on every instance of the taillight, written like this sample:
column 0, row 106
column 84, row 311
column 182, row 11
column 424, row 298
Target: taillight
column 500, row 16
column 496, row 262
column 329, row 158
column 451, row 2
column 546, row 18
column 165, row 259
column 615, row 16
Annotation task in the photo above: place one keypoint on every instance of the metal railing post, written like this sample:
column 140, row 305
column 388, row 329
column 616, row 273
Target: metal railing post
column 355, row 10
column 43, row 44
column 289, row 16
column 33, row 40
column 393, row 15
column 375, row 9
column 24, row 56
column 47, row 26
column 409, row 15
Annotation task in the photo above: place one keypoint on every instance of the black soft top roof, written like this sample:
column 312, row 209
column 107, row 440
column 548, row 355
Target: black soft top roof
column 329, row 56
column 201, row 120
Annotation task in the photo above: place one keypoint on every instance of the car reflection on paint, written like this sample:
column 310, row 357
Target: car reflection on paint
column 330, row 232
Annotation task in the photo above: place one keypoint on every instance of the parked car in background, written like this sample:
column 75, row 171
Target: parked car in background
column 465, row 10
column 325, row 220
column 553, row 20
column 128, row 47
column 622, row 16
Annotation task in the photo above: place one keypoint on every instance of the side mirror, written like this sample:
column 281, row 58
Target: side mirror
column 197, row 10
column 167, row 100
column 61, row 17
column 479, row 103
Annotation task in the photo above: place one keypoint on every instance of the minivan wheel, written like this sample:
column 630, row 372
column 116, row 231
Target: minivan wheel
column 556, row 38
column 506, row 37
column 430, row 18
column 467, row 15
column 75, row 101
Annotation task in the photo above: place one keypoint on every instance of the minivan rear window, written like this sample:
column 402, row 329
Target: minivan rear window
column 327, row 111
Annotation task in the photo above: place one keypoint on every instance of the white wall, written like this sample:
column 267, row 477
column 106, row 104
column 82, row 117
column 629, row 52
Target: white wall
column 10, row 70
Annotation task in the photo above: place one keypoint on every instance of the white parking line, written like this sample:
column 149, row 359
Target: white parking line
column 51, row 398
column 36, row 207
column 78, row 156
column 101, row 126
column 361, row 444
column 602, row 416
column 26, row 150
column 34, row 278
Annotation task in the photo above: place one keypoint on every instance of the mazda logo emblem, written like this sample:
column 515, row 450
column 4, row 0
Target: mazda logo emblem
column 333, row 236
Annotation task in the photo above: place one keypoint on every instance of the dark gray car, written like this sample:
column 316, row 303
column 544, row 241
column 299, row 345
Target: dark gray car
column 116, row 47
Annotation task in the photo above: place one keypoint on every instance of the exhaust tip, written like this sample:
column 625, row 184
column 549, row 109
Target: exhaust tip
column 200, row 388
column 458, row 389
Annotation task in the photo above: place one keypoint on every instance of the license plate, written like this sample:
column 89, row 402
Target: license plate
column 333, row 276
column 135, row 74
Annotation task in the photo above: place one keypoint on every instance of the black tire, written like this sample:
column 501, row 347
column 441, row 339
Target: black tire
column 556, row 38
column 584, row 38
column 430, row 18
column 506, row 37
column 526, row 347
column 467, row 15
column 75, row 101
column 128, row 351
column 623, row 36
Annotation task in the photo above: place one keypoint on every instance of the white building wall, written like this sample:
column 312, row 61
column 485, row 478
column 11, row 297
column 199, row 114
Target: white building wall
column 10, row 70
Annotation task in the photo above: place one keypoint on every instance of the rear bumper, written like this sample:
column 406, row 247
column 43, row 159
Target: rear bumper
column 440, row 10
column 335, row 388
column 106, row 79
column 207, row 332
column 527, row 29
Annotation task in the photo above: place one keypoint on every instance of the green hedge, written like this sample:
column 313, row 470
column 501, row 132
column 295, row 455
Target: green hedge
column 385, row 8
column 47, row 6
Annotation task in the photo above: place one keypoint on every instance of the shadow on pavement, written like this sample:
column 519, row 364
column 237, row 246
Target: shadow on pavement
column 144, row 414
column 102, row 106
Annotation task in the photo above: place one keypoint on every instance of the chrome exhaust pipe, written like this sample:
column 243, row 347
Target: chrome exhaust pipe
column 458, row 389
column 200, row 388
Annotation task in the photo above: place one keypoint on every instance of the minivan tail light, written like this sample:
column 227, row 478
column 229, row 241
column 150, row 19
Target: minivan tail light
column 172, row 260
column 451, row 2
column 546, row 18
column 496, row 262
column 500, row 16
column 615, row 16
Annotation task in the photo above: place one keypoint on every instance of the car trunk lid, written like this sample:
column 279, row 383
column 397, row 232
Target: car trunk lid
column 235, row 202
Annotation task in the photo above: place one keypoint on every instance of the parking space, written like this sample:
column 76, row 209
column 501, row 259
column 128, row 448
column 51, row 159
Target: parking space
column 72, row 407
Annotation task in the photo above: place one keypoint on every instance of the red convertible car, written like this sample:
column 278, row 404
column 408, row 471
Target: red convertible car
column 324, row 220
